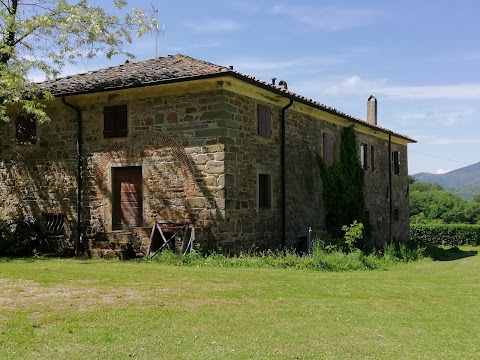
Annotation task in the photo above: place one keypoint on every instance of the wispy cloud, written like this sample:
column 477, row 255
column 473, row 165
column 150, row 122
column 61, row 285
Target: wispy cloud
column 440, row 140
column 213, row 25
column 442, row 171
column 330, row 18
column 207, row 44
column 436, row 92
column 355, row 84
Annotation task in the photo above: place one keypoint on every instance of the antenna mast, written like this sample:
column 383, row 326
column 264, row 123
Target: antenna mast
column 157, row 29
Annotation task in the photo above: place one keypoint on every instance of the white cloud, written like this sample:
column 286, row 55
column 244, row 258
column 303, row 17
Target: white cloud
column 213, row 25
column 330, row 18
column 355, row 84
column 207, row 44
column 442, row 171
column 436, row 92
column 352, row 85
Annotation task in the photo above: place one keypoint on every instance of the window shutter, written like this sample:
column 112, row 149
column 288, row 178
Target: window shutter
column 328, row 148
column 372, row 158
column 121, row 120
column 108, row 123
column 115, row 122
column 261, row 119
column 268, row 122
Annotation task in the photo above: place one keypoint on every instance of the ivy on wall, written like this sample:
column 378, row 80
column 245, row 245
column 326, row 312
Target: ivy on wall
column 343, row 185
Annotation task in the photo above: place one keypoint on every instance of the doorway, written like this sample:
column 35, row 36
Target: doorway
column 127, row 192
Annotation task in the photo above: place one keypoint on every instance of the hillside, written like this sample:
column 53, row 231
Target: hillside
column 464, row 182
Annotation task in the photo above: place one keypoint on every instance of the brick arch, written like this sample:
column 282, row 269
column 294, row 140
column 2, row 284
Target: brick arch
column 153, row 136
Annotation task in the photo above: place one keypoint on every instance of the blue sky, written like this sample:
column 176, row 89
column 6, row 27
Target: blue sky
column 419, row 58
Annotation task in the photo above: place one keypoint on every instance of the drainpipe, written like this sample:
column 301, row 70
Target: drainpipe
column 390, row 226
column 79, row 174
column 283, row 176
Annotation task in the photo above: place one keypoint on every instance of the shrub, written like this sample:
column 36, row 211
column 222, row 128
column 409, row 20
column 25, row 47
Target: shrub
column 445, row 234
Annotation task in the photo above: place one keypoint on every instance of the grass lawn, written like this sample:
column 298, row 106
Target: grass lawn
column 82, row 309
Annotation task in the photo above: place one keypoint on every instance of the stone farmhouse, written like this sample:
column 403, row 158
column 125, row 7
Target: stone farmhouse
column 178, row 141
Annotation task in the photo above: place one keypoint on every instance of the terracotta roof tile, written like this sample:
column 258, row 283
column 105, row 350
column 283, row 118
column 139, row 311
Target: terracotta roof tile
column 172, row 68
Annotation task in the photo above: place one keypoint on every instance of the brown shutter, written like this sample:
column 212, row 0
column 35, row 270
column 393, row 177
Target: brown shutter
column 108, row 123
column 268, row 122
column 115, row 122
column 261, row 119
column 264, row 120
column 328, row 148
column 121, row 120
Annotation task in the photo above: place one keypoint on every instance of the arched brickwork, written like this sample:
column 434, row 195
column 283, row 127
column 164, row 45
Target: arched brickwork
column 150, row 136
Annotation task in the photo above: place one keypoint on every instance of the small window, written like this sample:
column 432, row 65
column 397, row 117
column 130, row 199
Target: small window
column 396, row 162
column 372, row 158
column 115, row 121
column 364, row 156
column 328, row 141
column 264, row 120
column 264, row 191
column 26, row 130
column 396, row 214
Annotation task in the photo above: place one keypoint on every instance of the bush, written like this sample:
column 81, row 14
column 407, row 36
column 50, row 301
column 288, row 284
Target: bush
column 445, row 234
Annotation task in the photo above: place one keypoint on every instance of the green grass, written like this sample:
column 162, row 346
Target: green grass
column 82, row 309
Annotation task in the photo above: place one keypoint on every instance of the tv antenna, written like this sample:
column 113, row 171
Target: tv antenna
column 158, row 31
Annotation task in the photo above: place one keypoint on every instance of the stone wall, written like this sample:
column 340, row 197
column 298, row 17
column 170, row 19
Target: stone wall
column 200, row 156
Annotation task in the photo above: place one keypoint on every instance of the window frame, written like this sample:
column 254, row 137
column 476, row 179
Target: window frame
column 395, row 162
column 364, row 156
column 264, row 190
column 115, row 121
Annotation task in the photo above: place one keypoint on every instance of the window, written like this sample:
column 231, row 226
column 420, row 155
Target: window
column 264, row 120
column 26, row 130
column 328, row 141
column 115, row 121
column 396, row 162
column 364, row 156
column 372, row 158
column 396, row 214
column 264, row 191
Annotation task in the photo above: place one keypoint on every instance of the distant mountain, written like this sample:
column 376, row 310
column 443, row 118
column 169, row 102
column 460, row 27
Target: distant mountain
column 464, row 182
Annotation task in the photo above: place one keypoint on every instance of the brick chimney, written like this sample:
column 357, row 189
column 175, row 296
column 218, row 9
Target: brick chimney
column 372, row 110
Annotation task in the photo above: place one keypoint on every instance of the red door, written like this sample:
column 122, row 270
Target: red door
column 127, row 197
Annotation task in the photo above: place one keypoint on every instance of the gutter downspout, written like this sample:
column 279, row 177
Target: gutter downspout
column 390, row 226
column 283, row 176
column 79, row 174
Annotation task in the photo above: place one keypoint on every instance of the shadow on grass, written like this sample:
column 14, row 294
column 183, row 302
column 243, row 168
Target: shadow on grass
column 448, row 254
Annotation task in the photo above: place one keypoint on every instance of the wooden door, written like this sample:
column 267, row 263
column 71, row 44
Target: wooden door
column 127, row 197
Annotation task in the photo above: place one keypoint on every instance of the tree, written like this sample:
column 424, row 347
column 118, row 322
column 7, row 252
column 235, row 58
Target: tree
column 476, row 198
column 43, row 35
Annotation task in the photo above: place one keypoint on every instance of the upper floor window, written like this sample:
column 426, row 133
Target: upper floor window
column 364, row 156
column 372, row 158
column 264, row 120
column 115, row 121
column 26, row 129
column 396, row 162
column 328, row 142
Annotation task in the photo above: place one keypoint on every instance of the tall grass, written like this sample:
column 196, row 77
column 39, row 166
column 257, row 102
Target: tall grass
column 321, row 258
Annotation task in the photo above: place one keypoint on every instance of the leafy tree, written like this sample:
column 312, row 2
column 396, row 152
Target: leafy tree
column 43, row 35
column 476, row 198
column 431, row 203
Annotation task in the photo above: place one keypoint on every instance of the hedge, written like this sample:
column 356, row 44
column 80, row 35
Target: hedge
column 445, row 234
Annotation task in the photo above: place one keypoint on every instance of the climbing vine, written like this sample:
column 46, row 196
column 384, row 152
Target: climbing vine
column 343, row 185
